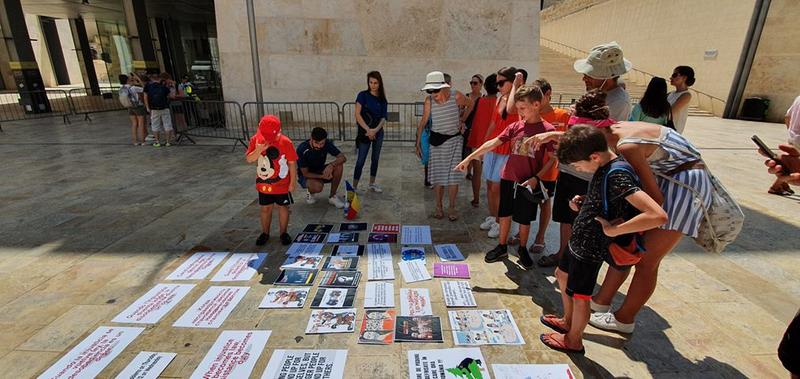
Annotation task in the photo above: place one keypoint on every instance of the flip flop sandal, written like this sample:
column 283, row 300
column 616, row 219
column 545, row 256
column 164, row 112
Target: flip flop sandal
column 780, row 192
column 552, row 322
column 475, row 203
column 537, row 248
column 452, row 217
column 550, row 342
column 439, row 214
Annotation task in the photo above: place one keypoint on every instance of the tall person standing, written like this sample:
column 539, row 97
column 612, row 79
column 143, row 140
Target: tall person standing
column 371, row 112
column 682, row 78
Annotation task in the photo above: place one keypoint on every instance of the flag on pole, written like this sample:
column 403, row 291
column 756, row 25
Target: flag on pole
column 353, row 206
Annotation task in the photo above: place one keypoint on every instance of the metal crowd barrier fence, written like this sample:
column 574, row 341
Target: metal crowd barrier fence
column 297, row 119
column 85, row 102
column 401, row 122
column 213, row 119
column 28, row 105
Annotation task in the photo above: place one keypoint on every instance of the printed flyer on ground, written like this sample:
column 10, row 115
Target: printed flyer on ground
column 236, row 269
column 93, row 354
column 147, row 365
column 153, row 305
column 484, row 327
column 198, row 266
column 211, row 309
column 447, row 364
column 233, row 355
column 284, row 297
column 316, row 364
column 532, row 372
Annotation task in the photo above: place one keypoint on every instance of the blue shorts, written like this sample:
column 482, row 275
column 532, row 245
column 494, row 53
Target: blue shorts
column 425, row 145
column 492, row 165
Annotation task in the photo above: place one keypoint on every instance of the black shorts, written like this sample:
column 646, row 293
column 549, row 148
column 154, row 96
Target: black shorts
column 521, row 210
column 789, row 348
column 581, row 275
column 283, row 200
column 567, row 187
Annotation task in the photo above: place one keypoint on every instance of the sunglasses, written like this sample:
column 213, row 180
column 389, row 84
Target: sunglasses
column 432, row 91
column 474, row 83
column 501, row 83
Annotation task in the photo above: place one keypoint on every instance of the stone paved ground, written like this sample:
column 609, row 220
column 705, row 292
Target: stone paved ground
column 90, row 223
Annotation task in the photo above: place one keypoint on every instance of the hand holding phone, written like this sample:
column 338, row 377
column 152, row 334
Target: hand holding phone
column 767, row 152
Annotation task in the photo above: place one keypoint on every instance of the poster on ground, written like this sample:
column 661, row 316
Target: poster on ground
column 416, row 235
column 284, row 297
column 379, row 295
column 153, row 305
column 414, row 271
column 458, row 294
column 332, row 321
column 316, row 364
column 378, row 327
column 233, row 355
column 449, row 252
column 93, row 354
column 147, row 365
column 557, row 371
column 484, row 327
column 415, row 302
column 236, row 268
column 379, row 269
column 212, row 308
column 299, row 248
column 447, row 364
column 379, row 251
column 197, row 266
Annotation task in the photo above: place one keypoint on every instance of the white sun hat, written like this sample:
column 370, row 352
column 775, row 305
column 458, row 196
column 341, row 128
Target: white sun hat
column 434, row 80
column 604, row 62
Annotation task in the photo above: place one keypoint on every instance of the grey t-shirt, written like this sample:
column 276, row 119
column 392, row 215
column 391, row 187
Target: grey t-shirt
column 619, row 104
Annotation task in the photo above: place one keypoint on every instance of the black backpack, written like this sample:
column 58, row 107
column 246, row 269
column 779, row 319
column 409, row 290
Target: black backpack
column 158, row 96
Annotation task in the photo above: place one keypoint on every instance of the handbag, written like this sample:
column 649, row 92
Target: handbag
column 437, row 139
column 536, row 195
column 625, row 250
column 722, row 221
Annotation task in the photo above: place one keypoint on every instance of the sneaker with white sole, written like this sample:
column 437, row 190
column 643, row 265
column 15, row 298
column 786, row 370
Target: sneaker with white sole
column 599, row 308
column 336, row 202
column 487, row 223
column 494, row 231
column 607, row 321
column 375, row 188
column 310, row 198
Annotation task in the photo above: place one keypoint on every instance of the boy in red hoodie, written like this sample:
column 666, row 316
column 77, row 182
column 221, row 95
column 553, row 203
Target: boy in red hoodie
column 275, row 176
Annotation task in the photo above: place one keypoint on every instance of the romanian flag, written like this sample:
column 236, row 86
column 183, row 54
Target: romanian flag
column 353, row 206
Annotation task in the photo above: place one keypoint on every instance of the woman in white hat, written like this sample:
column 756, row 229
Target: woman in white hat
column 443, row 108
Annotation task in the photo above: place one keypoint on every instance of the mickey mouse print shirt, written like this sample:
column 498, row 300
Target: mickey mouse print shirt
column 272, row 171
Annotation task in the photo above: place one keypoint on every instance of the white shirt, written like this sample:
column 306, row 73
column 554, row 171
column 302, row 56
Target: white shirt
column 619, row 104
column 794, row 122
column 678, row 119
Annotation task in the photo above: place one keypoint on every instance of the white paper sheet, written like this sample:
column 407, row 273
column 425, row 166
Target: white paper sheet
column 299, row 248
column 233, row 355
column 323, row 321
column 458, row 294
column 414, row 271
column 416, row 234
column 381, row 251
column 153, row 305
column 415, row 302
column 556, row 371
column 379, row 295
column 212, row 308
column 342, row 237
column 284, row 297
column 147, row 365
column 93, row 354
column 236, row 268
column 430, row 364
column 449, row 252
column 484, row 327
column 318, row 364
column 378, row 269
column 198, row 266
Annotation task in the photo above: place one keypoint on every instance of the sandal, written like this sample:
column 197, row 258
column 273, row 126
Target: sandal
column 439, row 214
column 475, row 203
column 548, row 261
column 550, row 341
column 780, row 192
column 537, row 248
column 554, row 322
column 452, row 216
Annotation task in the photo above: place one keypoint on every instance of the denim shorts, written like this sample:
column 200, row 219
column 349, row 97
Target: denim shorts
column 492, row 165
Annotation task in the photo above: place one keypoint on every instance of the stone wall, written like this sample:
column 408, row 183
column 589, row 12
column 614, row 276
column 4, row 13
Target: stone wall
column 659, row 35
column 321, row 50
column 776, row 68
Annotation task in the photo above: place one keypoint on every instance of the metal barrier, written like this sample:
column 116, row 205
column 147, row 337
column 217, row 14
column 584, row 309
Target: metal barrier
column 401, row 123
column 85, row 102
column 213, row 119
column 22, row 105
column 297, row 119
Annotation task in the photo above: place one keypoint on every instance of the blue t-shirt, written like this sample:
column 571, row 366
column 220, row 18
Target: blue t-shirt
column 374, row 105
column 312, row 159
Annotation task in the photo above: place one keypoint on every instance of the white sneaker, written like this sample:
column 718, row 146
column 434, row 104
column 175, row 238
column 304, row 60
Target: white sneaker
column 599, row 308
column 149, row 138
column 375, row 188
column 494, row 231
column 310, row 198
column 607, row 321
column 487, row 223
column 336, row 202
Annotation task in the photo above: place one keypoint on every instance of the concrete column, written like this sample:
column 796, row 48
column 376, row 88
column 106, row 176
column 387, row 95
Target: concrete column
column 84, row 55
column 22, row 59
column 144, row 53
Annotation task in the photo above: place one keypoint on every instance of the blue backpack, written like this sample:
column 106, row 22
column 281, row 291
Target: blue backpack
column 627, row 249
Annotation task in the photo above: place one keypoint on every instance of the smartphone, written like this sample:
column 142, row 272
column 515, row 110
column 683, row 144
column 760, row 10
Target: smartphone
column 764, row 149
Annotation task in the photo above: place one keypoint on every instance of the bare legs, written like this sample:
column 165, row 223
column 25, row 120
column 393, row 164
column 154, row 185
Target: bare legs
column 477, row 171
column 544, row 220
column 266, row 218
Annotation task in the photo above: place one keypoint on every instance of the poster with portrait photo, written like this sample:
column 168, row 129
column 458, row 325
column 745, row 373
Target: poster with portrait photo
column 418, row 329
column 334, row 298
column 347, row 250
column 340, row 264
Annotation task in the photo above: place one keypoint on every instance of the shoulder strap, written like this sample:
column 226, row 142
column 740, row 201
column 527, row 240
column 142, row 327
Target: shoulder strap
column 615, row 166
